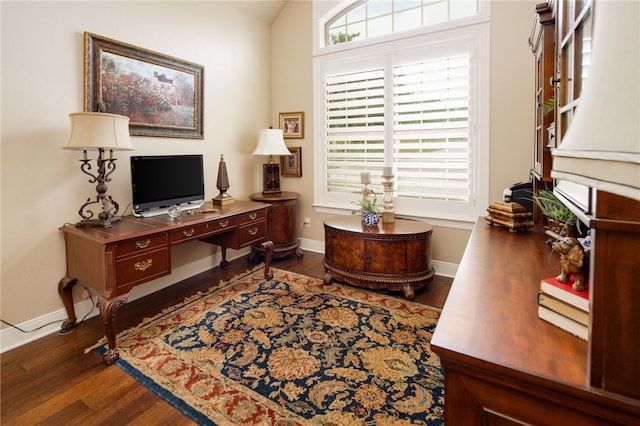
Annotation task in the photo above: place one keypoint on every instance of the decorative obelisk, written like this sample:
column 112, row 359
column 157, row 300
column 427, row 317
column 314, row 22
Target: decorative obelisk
column 223, row 184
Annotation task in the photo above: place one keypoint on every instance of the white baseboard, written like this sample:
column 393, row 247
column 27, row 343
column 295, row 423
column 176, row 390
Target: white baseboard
column 11, row 338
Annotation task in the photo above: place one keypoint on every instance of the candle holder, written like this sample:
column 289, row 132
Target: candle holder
column 388, row 216
column 366, row 192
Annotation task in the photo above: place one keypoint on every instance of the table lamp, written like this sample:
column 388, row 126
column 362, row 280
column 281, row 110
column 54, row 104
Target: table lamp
column 99, row 131
column 271, row 143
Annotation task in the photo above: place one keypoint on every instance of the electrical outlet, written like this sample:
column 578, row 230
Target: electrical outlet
column 307, row 222
column 85, row 293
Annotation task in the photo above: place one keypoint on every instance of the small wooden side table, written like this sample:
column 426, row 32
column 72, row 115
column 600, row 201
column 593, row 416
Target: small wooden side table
column 281, row 225
column 392, row 256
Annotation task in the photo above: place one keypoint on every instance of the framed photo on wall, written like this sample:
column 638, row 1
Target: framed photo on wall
column 291, row 165
column 292, row 125
column 161, row 95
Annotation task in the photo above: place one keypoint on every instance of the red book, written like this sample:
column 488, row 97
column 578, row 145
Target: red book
column 564, row 292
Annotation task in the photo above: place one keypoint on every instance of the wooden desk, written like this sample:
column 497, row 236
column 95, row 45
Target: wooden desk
column 137, row 250
column 393, row 256
column 504, row 365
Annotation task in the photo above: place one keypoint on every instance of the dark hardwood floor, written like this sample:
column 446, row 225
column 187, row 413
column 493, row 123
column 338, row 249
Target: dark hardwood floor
column 53, row 382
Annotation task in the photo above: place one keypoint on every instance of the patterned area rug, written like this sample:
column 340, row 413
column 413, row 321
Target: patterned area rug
column 290, row 351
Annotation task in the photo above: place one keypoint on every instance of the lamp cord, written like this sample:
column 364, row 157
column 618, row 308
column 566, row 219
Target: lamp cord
column 52, row 322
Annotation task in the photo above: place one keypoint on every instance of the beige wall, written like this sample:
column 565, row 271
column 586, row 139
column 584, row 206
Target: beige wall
column 512, row 74
column 42, row 75
column 251, row 74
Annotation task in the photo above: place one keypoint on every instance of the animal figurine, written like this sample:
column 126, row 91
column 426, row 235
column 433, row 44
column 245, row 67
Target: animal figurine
column 572, row 261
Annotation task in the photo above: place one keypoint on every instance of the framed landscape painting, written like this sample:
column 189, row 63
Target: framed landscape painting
column 161, row 95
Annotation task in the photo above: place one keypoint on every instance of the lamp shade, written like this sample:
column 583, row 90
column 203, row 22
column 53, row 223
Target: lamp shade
column 93, row 130
column 271, row 142
column 601, row 148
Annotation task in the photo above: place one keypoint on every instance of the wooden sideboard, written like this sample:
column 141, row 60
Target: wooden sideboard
column 504, row 365
column 137, row 250
column 281, row 224
column 393, row 256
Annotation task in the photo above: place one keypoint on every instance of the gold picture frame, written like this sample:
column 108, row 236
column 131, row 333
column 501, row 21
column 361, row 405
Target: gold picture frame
column 291, row 165
column 117, row 75
column 292, row 125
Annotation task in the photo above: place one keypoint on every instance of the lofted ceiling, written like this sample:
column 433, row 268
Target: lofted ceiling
column 264, row 10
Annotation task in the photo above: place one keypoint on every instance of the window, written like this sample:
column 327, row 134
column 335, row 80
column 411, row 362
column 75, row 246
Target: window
column 420, row 105
column 364, row 19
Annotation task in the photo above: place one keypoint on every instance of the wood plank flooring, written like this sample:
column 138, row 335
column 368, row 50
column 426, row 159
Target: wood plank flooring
column 53, row 382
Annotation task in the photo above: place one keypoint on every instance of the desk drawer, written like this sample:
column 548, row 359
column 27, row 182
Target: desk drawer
column 202, row 230
column 251, row 216
column 142, row 268
column 254, row 232
column 151, row 242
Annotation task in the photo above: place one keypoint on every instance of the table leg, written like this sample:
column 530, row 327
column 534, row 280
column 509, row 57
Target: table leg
column 408, row 291
column 65, row 290
column 269, row 248
column 108, row 310
column 224, row 262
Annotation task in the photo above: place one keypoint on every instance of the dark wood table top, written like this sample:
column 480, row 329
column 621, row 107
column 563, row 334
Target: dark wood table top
column 490, row 318
column 353, row 223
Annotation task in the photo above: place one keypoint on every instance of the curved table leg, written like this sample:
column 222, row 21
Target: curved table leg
column 224, row 262
column 108, row 310
column 269, row 248
column 65, row 290
column 408, row 292
column 328, row 277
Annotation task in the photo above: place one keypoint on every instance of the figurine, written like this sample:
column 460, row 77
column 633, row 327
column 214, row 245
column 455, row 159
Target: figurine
column 572, row 260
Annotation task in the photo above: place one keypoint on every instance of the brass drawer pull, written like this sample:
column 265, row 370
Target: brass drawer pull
column 143, row 244
column 253, row 215
column 188, row 232
column 253, row 231
column 223, row 224
column 144, row 265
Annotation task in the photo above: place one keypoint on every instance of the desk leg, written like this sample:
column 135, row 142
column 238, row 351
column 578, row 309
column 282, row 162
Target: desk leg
column 269, row 248
column 108, row 310
column 224, row 262
column 65, row 290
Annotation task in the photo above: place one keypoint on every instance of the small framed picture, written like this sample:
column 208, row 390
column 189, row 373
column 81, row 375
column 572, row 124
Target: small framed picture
column 292, row 125
column 291, row 165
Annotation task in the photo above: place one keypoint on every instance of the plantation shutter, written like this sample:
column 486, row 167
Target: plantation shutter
column 431, row 129
column 354, row 127
column 423, row 110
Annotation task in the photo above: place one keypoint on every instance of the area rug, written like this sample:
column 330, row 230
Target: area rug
column 290, row 351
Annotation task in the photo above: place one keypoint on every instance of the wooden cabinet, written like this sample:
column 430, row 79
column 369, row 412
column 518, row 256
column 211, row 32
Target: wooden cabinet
column 503, row 365
column 281, row 224
column 393, row 256
column 542, row 43
column 614, row 329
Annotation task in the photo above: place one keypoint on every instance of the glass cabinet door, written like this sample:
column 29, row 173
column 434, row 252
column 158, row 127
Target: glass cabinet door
column 574, row 58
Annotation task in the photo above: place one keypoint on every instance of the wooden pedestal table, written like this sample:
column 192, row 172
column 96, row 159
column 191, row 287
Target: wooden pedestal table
column 393, row 256
column 135, row 251
column 281, row 225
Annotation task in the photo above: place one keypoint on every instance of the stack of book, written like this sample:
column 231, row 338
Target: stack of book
column 562, row 306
